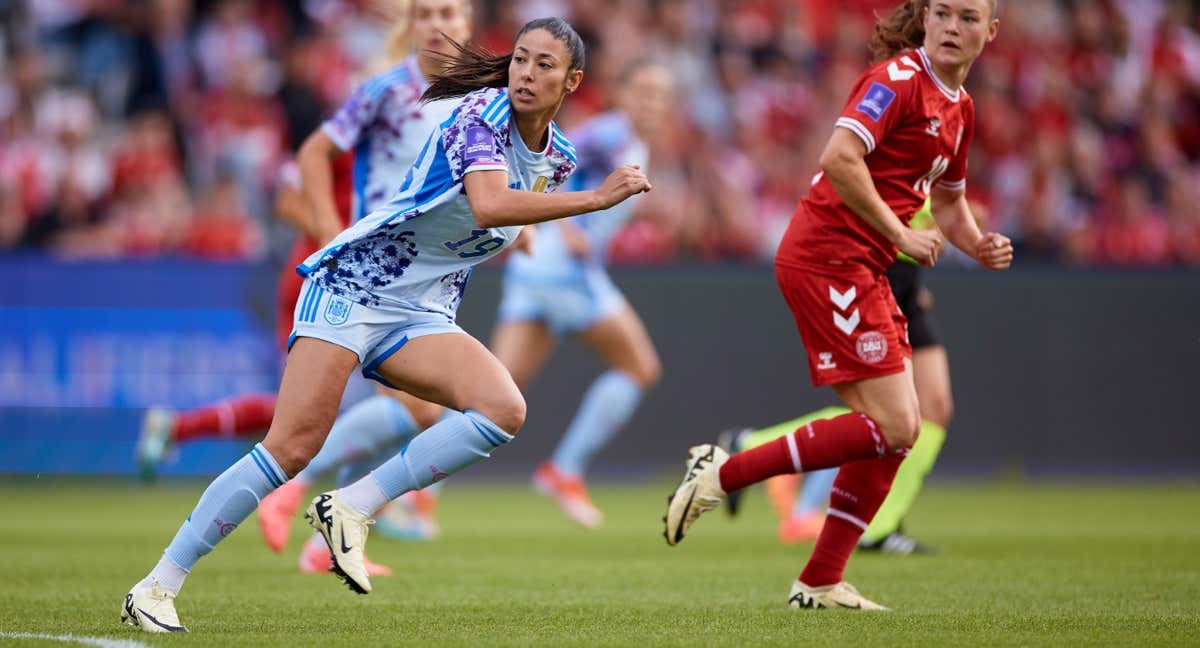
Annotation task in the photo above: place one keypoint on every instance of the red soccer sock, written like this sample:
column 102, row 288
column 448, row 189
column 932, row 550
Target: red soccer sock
column 825, row 443
column 858, row 492
column 245, row 416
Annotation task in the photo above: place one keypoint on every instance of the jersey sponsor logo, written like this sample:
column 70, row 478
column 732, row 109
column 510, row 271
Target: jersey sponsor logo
column 826, row 361
column 479, row 144
column 872, row 347
column 338, row 310
column 876, row 102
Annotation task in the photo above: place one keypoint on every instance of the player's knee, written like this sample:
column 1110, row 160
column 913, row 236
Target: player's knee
column 901, row 428
column 648, row 373
column 507, row 411
column 294, row 455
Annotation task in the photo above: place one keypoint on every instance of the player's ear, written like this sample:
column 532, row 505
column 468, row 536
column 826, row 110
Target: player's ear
column 574, row 78
column 993, row 30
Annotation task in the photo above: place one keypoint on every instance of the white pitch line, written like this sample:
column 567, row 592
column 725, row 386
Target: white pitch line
column 99, row 642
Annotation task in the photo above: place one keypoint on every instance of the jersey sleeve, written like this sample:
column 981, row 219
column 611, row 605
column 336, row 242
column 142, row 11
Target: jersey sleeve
column 879, row 101
column 346, row 126
column 955, row 177
column 475, row 139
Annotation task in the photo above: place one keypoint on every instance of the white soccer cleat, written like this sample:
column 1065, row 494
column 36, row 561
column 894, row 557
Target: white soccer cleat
column 837, row 596
column 699, row 492
column 155, row 441
column 345, row 531
column 152, row 609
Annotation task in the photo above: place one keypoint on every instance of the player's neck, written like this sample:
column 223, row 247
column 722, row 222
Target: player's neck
column 534, row 128
column 952, row 77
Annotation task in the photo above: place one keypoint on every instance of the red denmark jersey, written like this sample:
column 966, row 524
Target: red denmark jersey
column 917, row 132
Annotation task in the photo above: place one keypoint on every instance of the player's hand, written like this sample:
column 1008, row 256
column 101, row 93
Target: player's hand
column 626, row 181
column 922, row 245
column 526, row 239
column 994, row 251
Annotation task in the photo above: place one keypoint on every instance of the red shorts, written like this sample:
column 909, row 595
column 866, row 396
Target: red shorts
column 288, row 291
column 849, row 322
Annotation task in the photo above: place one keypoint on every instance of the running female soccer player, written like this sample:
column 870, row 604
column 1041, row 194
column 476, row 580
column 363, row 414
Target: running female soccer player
column 903, row 135
column 385, row 123
column 384, row 294
column 563, row 288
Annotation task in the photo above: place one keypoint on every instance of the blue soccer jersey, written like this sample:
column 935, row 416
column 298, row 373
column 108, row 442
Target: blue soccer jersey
column 416, row 251
column 386, row 125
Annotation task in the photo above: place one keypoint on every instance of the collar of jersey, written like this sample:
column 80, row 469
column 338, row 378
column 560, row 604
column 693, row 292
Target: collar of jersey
column 952, row 95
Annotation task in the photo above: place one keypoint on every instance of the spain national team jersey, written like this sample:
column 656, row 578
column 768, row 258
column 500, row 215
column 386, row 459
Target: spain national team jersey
column 385, row 124
column 416, row 251
column 604, row 143
column 916, row 132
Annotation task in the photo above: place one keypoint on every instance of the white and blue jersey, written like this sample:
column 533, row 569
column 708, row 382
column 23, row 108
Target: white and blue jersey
column 553, row 285
column 407, row 262
column 386, row 125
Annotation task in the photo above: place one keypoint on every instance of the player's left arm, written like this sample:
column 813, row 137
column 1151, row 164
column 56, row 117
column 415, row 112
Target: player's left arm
column 952, row 213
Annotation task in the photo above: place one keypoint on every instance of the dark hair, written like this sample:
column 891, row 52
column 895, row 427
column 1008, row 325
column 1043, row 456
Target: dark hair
column 905, row 29
column 475, row 67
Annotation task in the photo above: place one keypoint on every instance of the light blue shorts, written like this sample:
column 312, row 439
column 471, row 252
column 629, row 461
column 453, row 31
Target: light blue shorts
column 567, row 308
column 374, row 333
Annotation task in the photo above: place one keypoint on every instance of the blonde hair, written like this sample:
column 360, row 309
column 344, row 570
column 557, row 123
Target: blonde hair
column 398, row 44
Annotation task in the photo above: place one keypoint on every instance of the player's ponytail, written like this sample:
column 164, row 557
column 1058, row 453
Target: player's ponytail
column 905, row 29
column 475, row 67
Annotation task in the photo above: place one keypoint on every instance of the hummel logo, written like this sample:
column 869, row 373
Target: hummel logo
column 934, row 125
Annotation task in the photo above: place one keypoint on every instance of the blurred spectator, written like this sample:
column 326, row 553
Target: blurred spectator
column 1087, row 148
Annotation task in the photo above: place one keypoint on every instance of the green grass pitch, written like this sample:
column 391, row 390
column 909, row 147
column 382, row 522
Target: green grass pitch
column 1021, row 565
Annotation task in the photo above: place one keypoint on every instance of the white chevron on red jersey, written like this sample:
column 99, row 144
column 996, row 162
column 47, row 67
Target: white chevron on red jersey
column 916, row 132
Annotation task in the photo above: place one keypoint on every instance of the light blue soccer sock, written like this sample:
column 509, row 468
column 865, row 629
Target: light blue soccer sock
column 361, row 431
column 815, row 494
column 444, row 449
column 228, row 500
column 606, row 408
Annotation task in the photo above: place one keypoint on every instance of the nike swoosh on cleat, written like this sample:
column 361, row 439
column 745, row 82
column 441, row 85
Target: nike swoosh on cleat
column 168, row 628
column 342, row 541
column 856, row 606
column 683, row 518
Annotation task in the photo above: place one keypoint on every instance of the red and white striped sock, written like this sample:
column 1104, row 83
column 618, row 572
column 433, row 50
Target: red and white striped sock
column 237, row 418
column 858, row 491
column 825, row 443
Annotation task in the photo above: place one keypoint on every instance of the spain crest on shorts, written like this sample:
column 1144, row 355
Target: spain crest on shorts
column 338, row 310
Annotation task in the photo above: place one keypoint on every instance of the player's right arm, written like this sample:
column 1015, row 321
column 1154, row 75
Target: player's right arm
column 844, row 163
column 316, row 180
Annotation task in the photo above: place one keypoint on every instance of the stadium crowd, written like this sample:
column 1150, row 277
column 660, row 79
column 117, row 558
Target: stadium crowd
column 160, row 126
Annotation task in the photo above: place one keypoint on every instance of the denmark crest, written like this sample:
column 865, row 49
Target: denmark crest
column 338, row 310
column 872, row 347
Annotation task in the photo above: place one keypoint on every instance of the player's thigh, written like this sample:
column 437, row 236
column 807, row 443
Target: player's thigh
column 931, row 374
column 309, row 395
column 523, row 347
column 457, row 371
column 622, row 341
column 424, row 413
column 890, row 401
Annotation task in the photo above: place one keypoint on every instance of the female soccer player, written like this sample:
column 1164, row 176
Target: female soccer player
column 903, row 135
column 385, row 123
column 802, row 519
column 384, row 294
column 562, row 287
